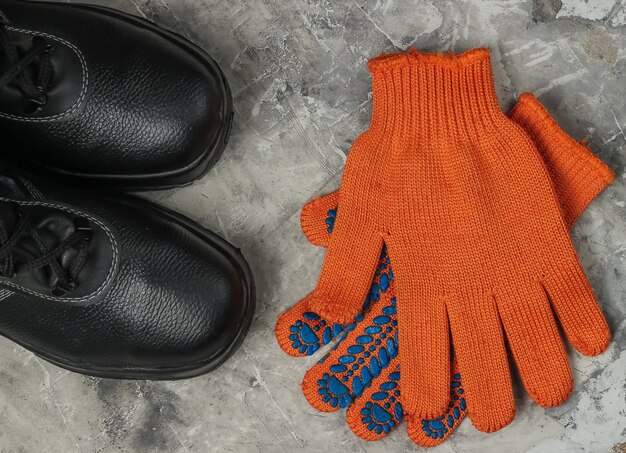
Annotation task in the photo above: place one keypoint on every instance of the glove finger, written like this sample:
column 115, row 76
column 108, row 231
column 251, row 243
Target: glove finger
column 577, row 174
column 423, row 337
column 479, row 349
column 378, row 410
column 301, row 332
column 318, row 217
column 348, row 269
column 536, row 344
column 577, row 309
column 432, row 432
column 370, row 344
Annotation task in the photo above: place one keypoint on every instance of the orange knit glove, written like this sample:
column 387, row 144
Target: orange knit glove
column 472, row 223
column 577, row 175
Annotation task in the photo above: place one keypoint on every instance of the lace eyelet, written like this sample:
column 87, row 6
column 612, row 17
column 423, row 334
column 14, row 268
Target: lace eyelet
column 83, row 226
column 61, row 289
column 32, row 104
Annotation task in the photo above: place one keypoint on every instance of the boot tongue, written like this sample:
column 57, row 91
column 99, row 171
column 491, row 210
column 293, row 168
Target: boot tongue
column 25, row 249
column 9, row 211
column 49, row 229
column 8, row 215
column 20, row 45
column 49, row 225
column 5, row 64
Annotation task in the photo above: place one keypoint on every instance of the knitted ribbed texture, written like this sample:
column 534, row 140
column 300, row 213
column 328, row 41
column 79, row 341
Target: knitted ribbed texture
column 465, row 205
column 577, row 174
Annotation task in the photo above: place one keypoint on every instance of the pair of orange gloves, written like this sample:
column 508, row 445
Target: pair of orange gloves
column 472, row 209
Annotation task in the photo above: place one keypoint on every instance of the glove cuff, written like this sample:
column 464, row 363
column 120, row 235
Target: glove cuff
column 386, row 62
column 454, row 93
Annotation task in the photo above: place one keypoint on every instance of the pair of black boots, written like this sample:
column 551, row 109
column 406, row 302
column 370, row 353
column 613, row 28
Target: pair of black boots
column 100, row 282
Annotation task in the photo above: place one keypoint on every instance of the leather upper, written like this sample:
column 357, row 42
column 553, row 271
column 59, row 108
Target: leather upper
column 156, row 292
column 127, row 99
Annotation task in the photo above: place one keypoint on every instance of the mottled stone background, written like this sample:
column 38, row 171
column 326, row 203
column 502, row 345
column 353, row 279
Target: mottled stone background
column 302, row 95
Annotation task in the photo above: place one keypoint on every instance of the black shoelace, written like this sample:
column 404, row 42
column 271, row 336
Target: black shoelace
column 39, row 56
column 66, row 279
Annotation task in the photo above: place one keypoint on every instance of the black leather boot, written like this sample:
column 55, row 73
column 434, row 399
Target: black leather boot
column 107, row 99
column 115, row 286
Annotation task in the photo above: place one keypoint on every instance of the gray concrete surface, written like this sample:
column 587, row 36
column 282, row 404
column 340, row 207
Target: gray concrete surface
column 302, row 95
